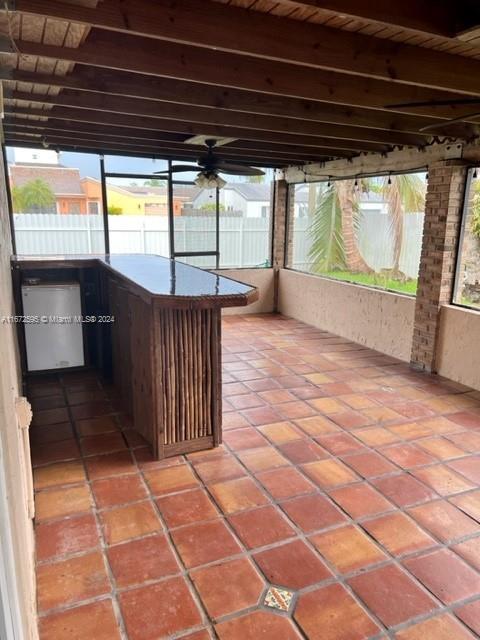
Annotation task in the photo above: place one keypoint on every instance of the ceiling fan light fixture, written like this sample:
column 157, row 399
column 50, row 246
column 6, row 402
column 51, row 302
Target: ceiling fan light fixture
column 209, row 180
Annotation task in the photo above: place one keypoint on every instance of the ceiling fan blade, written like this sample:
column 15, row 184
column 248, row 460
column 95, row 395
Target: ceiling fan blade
column 434, row 103
column 446, row 123
column 237, row 169
column 178, row 168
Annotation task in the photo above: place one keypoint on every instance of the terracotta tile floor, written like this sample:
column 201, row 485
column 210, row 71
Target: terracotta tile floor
column 344, row 477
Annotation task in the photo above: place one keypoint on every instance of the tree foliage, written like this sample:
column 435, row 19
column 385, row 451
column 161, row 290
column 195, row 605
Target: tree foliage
column 337, row 215
column 114, row 210
column 36, row 195
column 154, row 182
column 475, row 219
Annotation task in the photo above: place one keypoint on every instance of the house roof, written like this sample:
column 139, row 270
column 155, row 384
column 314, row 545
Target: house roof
column 258, row 192
column 63, row 181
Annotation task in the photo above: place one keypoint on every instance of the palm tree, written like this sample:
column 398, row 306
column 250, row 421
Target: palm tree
column 403, row 194
column 38, row 195
column 337, row 214
column 18, row 201
column 333, row 229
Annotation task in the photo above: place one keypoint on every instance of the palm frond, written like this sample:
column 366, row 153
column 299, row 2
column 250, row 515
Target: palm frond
column 327, row 251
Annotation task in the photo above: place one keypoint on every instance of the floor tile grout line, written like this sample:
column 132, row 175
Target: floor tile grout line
column 103, row 545
column 166, row 532
column 441, row 497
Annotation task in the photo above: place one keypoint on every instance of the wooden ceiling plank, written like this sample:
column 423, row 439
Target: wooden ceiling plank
column 240, row 72
column 184, row 92
column 204, row 24
column 428, row 16
column 206, row 116
column 62, row 127
column 99, row 146
column 96, row 117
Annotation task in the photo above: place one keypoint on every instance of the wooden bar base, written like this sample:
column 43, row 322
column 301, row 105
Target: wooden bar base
column 167, row 368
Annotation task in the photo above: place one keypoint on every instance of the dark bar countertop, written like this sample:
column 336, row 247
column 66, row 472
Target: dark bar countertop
column 176, row 283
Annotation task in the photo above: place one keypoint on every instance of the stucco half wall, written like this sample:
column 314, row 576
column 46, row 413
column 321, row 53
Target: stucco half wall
column 264, row 279
column 458, row 355
column 377, row 319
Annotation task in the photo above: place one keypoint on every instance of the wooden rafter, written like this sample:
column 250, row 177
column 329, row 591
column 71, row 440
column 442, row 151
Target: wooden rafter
column 433, row 17
column 114, row 134
column 202, row 24
column 206, row 116
column 187, row 128
column 121, row 83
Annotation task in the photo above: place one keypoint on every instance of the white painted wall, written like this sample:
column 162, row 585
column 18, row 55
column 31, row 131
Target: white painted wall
column 16, row 531
column 377, row 319
column 263, row 279
column 458, row 354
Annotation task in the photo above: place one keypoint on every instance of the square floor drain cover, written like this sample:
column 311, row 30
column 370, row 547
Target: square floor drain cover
column 277, row 598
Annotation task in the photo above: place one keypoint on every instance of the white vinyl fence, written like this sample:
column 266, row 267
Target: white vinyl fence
column 244, row 242
column 374, row 241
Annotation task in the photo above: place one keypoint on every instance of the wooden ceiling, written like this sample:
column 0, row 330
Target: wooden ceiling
column 291, row 81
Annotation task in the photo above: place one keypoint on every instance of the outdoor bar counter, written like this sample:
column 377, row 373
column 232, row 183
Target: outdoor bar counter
column 164, row 345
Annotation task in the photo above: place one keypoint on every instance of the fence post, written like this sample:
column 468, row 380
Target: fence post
column 89, row 234
column 241, row 240
column 142, row 235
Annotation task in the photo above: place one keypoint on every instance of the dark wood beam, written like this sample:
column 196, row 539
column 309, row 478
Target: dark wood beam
column 209, row 25
column 231, row 153
column 434, row 17
column 100, row 146
column 331, row 147
column 467, row 20
column 128, row 84
column 204, row 116
column 114, row 150
column 166, row 59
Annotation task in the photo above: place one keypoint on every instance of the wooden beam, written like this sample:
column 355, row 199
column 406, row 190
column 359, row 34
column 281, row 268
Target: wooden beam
column 332, row 147
column 113, row 149
column 100, row 146
column 162, row 59
column 128, row 84
column 205, row 116
column 209, row 25
column 231, row 153
column 429, row 16
column 157, row 137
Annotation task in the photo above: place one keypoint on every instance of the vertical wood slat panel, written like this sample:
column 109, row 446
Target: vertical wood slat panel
column 142, row 368
column 121, row 353
column 190, row 370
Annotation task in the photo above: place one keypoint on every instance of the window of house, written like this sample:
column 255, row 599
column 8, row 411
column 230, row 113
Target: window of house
column 467, row 286
column 93, row 208
column 74, row 208
column 367, row 231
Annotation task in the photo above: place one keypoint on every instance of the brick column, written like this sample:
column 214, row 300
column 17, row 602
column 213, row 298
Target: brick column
column 282, row 201
column 280, row 215
column 443, row 212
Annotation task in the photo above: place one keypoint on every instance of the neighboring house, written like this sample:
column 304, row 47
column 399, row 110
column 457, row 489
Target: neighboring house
column 147, row 200
column 73, row 195
column 251, row 200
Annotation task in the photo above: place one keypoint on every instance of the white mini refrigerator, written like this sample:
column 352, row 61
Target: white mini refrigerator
column 55, row 341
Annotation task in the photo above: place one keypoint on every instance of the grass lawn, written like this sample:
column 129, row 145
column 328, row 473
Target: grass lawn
column 374, row 280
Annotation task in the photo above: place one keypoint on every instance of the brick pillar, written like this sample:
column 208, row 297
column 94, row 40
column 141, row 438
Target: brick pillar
column 443, row 212
column 280, row 204
column 282, row 201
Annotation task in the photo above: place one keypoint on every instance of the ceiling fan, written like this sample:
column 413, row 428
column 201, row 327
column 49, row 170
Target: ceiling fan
column 209, row 165
column 440, row 103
